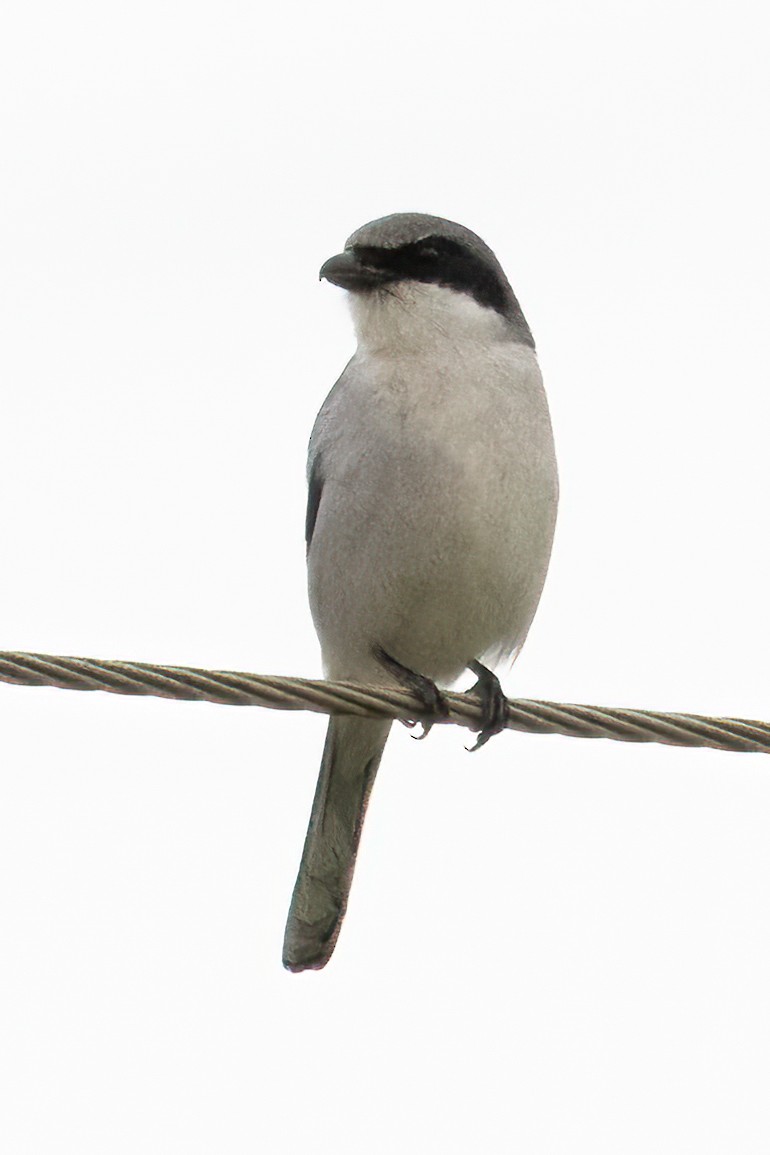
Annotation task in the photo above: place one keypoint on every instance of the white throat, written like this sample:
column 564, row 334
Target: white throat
column 410, row 315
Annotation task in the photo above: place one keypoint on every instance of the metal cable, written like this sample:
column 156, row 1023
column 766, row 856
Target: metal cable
column 233, row 689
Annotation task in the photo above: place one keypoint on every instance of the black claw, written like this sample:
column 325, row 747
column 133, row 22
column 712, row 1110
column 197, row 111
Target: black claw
column 425, row 689
column 494, row 705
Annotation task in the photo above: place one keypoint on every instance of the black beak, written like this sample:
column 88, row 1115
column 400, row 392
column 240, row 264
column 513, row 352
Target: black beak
column 349, row 272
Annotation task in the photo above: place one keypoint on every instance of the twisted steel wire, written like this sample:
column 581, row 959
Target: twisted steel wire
column 236, row 689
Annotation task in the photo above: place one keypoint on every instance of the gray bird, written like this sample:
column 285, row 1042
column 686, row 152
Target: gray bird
column 431, row 510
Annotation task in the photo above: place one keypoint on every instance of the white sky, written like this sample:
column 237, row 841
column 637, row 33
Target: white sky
column 554, row 946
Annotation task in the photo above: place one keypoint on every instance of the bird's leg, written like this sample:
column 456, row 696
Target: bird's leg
column 493, row 703
column 426, row 690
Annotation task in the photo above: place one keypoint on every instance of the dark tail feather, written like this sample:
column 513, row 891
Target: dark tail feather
column 351, row 756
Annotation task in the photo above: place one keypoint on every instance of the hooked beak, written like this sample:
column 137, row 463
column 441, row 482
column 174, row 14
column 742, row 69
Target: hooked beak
column 349, row 272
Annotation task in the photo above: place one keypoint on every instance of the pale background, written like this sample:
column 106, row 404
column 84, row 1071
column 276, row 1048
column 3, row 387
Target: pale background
column 553, row 946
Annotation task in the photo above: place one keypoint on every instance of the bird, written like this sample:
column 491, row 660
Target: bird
column 432, row 500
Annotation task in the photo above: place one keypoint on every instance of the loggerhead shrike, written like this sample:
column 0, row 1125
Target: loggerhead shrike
column 431, row 511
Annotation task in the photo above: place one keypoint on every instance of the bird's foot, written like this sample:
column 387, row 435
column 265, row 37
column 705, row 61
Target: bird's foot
column 494, row 704
column 424, row 688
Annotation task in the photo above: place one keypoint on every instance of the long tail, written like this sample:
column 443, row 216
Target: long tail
column 351, row 756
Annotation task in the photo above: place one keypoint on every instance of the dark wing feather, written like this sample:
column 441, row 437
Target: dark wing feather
column 314, row 489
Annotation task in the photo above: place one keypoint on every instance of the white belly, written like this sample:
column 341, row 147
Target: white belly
column 436, row 519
